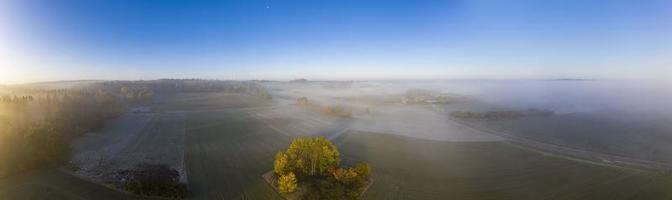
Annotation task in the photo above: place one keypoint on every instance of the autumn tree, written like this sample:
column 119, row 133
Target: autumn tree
column 303, row 101
column 312, row 156
column 287, row 183
column 280, row 166
column 317, row 160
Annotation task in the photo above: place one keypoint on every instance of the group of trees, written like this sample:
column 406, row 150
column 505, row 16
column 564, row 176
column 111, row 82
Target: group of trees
column 140, row 88
column 155, row 180
column 137, row 95
column 314, row 163
column 307, row 156
column 38, row 122
column 421, row 96
column 334, row 110
column 36, row 125
column 502, row 114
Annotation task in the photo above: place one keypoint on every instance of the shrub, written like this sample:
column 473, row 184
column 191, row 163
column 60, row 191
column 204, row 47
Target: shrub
column 281, row 164
column 156, row 180
column 287, row 183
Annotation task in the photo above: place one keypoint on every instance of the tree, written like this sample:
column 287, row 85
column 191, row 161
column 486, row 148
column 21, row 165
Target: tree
column 303, row 101
column 353, row 177
column 312, row 156
column 363, row 170
column 317, row 160
column 287, row 183
column 280, row 166
column 347, row 176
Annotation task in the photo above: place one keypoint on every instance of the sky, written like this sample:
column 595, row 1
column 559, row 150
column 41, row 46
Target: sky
column 49, row 40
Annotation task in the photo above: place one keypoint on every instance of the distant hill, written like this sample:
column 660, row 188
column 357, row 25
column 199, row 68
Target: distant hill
column 302, row 80
column 571, row 79
column 69, row 84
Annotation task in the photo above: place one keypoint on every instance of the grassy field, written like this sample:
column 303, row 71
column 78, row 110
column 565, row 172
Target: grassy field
column 227, row 151
column 54, row 185
column 406, row 168
column 226, row 154
column 642, row 137
column 204, row 101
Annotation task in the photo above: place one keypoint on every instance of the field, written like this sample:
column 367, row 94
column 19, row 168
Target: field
column 229, row 143
column 226, row 154
column 228, row 151
column 406, row 168
column 56, row 185
column 637, row 136
column 127, row 142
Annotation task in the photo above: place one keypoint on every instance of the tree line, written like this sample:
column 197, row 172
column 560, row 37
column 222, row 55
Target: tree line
column 502, row 114
column 36, row 126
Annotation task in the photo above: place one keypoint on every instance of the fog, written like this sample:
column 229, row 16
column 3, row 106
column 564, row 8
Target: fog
column 377, row 106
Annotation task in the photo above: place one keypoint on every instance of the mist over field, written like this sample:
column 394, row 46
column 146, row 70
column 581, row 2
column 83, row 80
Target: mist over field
column 613, row 117
column 336, row 100
column 191, row 129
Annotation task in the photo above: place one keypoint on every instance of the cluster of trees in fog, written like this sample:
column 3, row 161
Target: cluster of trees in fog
column 36, row 127
column 334, row 110
column 37, row 124
column 194, row 85
column 502, row 114
column 421, row 96
column 313, row 163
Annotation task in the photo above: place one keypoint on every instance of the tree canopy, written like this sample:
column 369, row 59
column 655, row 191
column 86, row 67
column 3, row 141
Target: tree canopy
column 308, row 157
column 317, row 160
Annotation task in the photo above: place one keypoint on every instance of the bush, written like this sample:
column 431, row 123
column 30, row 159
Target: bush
column 287, row 183
column 156, row 180
column 280, row 166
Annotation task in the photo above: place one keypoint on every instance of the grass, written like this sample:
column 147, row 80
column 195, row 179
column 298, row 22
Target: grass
column 227, row 151
column 226, row 154
column 56, row 185
column 641, row 138
column 406, row 168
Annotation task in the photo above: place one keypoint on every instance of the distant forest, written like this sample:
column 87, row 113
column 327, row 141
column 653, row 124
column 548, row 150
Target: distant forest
column 37, row 124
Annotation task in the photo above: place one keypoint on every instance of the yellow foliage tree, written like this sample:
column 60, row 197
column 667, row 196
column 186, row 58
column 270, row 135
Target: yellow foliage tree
column 287, row 183
column 312, row 156
column 280, row 166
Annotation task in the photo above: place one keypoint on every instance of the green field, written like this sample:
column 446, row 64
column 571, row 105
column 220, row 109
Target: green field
column 643, row 137
column 405, row 168
column 226, row 154
column 226, row 158
column 227, row 151
column 54, row 185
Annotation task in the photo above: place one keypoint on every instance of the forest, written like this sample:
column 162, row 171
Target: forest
column 37, row 123
column 37, row 126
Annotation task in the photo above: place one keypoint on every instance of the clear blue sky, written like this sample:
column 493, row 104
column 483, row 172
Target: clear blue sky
column 359, row 39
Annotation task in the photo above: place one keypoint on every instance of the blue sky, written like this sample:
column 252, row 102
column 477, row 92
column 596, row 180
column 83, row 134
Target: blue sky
column 392, row 39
